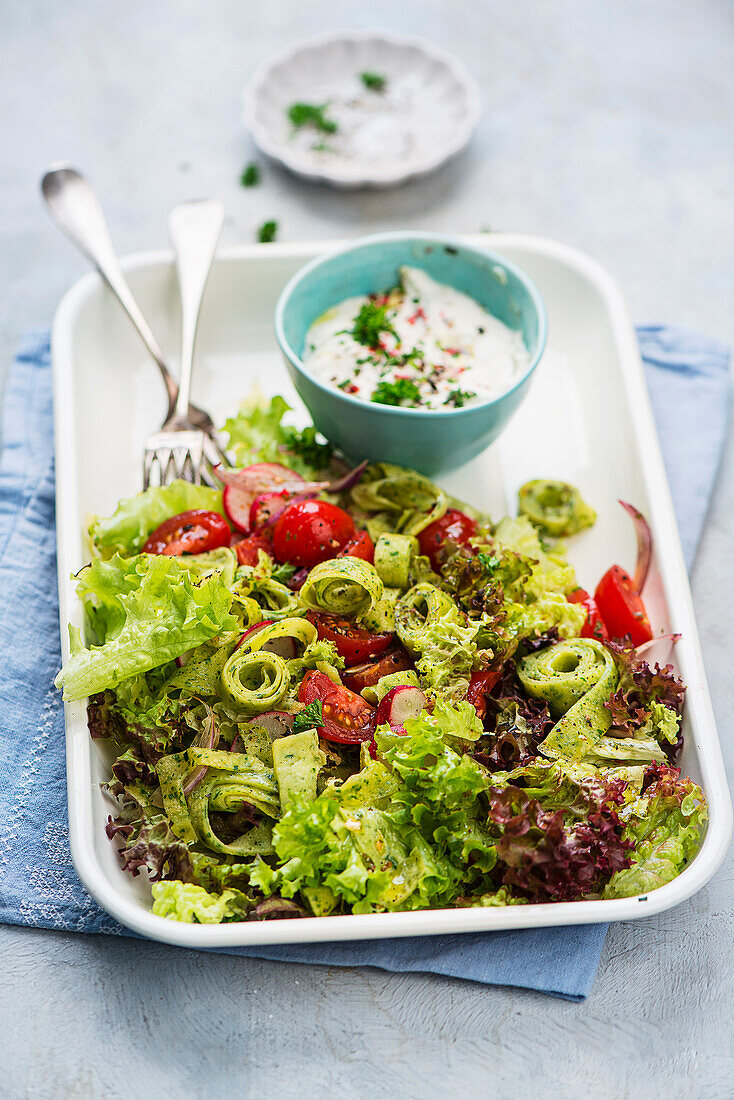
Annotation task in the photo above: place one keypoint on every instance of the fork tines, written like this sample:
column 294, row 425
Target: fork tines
column 171, row 455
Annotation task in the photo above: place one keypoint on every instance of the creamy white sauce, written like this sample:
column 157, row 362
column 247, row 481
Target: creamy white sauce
column 443, row 350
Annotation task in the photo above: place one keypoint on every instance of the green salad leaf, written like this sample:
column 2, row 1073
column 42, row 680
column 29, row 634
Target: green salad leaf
column 143, row 612
column 192, row 904
column 125, row 531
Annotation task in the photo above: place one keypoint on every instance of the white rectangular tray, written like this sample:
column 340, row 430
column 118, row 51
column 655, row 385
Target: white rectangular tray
column 587, row 420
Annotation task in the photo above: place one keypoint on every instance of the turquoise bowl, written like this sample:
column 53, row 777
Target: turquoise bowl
column 429, row 440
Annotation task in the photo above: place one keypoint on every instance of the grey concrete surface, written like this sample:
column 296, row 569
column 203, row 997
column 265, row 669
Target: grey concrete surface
column 607, row 124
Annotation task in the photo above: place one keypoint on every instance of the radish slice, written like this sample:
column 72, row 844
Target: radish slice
column 266, row 507
column 644, row 545
column 237, row 506
column 253, row 630
column 400, row 703
column 265, row 477
column 276, row 723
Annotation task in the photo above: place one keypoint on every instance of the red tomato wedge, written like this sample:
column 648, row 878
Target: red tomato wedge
column 311, row 531
column 347, row 718
column 247, row 549
column 594, row 627
column 480, row 684
column 358, row 677
column 621, row 607
column 454, row 527
column 192, row 532
column 360, row 546
column 352, row 642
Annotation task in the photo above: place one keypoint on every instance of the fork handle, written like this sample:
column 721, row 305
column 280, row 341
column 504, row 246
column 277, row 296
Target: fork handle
column 76, row 209
column 194, row 228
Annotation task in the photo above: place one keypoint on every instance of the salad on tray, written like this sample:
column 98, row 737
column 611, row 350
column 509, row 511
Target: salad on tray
column 335, row 690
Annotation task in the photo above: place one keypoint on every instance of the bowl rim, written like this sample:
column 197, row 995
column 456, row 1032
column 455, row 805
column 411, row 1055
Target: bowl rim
column 360, row 174
column 410, row 235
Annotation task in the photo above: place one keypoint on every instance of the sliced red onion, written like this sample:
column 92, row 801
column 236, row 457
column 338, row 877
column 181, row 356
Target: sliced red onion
column 349, row 479
column 183, row 660
column 644, row 545
column 298, row 580
column 400, row 704
column 208, row 741
column 668, row 640
column 277, row 908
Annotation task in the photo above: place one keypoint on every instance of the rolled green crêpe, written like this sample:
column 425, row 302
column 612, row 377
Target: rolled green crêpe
column 393, row 555
column 277, row 600
column 231, row 779
column 380, row 619
column 576, row 678
column 347, row 586
column 397, row 499
column 300, row 630
column 255, row 681
column 556, row 507
column 418, row 610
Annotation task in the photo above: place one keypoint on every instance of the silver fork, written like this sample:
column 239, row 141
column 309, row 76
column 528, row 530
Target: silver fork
column 177, row 450
column 76, row 209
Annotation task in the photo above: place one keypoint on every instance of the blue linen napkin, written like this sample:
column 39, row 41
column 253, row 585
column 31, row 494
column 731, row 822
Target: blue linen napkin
column 687, row 376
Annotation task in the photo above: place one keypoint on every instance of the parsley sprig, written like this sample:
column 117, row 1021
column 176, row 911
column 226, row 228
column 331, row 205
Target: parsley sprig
column 375, row 82
column 312, row 114
column 397, row 393
column 369, row 323
column 310, row 717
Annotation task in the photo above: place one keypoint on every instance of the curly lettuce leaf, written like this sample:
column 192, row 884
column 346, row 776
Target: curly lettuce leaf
column 665, row 825
column 125, row 531
column 184, row 901
column 448, row 655
column 257, row 434
column 143, row 612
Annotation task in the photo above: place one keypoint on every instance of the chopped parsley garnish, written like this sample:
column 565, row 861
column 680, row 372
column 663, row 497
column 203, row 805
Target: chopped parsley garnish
column 396, row 393
column 376, row 82
column 309, row 717
column 250, row 176
column 308, row 447
column 458, row 398
column 489, row 562
column 369, row 323
column 267, row 232
column 311, row 114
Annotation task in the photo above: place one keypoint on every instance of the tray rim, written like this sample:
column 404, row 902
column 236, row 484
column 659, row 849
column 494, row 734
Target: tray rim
column 423, row 922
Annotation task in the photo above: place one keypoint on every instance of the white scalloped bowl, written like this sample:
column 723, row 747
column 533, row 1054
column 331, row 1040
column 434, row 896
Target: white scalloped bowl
column 427, row 115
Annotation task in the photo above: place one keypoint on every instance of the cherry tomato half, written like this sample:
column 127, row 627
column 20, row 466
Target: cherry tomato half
column 621, row 607
column 353, row 643
column 480, row 685
column 192, row 532
column 310, row 532
column 455, row 527
column 360, row 546
column 358, row 677
column 594, row 627
column 247, row 549
column 347, row 718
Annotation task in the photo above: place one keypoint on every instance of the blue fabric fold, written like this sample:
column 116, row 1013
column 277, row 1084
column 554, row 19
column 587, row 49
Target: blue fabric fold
column 688, row 378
